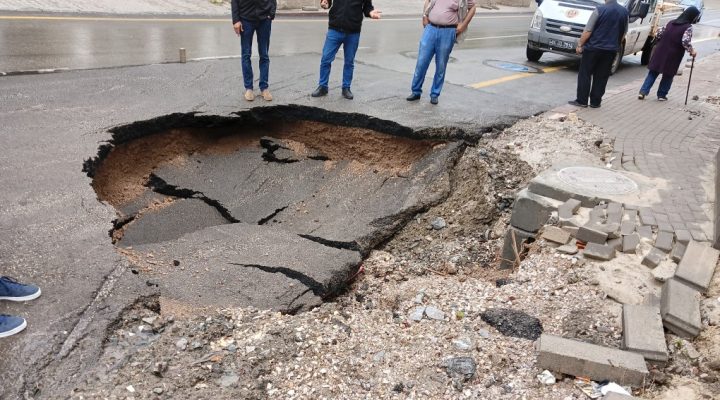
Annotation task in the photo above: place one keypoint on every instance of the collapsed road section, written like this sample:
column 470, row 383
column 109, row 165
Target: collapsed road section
column 273, row 208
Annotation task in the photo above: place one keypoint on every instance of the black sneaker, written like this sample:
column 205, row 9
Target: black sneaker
column 320, row 91
column 577, row 104
column 12, row 290
column 641, row 96
column 10, row 325
column 594, row 105
column 347, row 93
column 413, row 97
column 433, row 100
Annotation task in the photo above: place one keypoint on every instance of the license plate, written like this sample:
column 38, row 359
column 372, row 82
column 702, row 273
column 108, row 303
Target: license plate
column 561, row 44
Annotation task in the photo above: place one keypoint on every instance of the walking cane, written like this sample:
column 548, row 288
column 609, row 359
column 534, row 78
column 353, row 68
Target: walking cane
column 692, row 65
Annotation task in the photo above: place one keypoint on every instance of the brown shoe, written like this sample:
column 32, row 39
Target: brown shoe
column 266, row 95
column 249, row 95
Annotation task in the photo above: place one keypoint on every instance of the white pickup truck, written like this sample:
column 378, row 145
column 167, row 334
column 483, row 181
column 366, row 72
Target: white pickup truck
column 558, row 24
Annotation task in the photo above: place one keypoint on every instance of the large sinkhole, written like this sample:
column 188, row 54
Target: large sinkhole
column 275, row 207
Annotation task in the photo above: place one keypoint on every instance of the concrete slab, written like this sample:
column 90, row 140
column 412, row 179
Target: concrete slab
column 653, row 258
column 616, row 244
column 588, row 360
column 643, row 332
column 601, row 252
column 630, row 243
column 591, row 234
column 530, row 211
column 664, row 241
column 683, row 236
column 627, row 227
column 678, row 252
column 591, row 184
column 568, row 208
column 680, row 309
column 555, row 235
column 697, row 266
column 645, row 232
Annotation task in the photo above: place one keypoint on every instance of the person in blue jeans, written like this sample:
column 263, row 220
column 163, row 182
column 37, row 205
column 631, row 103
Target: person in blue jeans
column 12, row 290
column 344, row 23
column 254, row 18
column 443, row 21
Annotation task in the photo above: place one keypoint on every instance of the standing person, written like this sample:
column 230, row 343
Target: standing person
column 12, row 290
column 443, row 22
column 252, row 17
column 599, row 44
column 345, row 21
column 673, row 40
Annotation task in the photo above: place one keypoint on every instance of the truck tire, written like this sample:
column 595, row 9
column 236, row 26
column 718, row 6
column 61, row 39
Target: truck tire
column 618, row 60
column 532, row 54
column 646, row 52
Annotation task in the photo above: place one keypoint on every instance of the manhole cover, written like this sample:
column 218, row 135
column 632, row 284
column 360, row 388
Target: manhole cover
column 510, row 66
column 597, row 180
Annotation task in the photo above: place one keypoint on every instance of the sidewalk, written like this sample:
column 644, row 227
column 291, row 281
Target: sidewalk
column 670, row 141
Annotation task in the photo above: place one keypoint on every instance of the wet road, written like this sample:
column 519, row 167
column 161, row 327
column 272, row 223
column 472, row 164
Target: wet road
column 36, row 42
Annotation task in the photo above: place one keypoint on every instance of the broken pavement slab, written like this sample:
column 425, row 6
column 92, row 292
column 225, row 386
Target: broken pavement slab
column 591, row 234
column 567, row 209
column 630, row 243
column 598, row 363
column 531, row 212
column 697, row 266
column 653, row 258
column 258, row 266
column 555, row 235
column 664, row 241
column 680, row 309
column 601, row 252
column 643, row 332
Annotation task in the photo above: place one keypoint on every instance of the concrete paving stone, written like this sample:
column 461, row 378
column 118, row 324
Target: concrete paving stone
column 627, row 228
column 572, row 230
column 589, row 234
column 630, row 207
column 653, row 258
column 630, row 215
column 673, row 217
column 617, row 396
column 683, row 236
column 661, row 218
column 570, row 248
column 665, row 227
column 630, row 243
column 616, row 244
column 678, row 252
column 614, row 207
column 603, row 252
column 698, row 235
column 680, row 309
column 699, row 216
column 530, row 211
column 647, row 217
column 697, row 266
column 597, row 215
column 510, row 256
column 678, row 226
column 568, row 208
column 664, row 241
column 643, row 332
column 598, row 363
column 645, row 232
column 555, row 235
column 614, row 218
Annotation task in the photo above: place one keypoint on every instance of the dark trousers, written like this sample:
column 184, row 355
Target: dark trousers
column 594, row 72
column 262, row 30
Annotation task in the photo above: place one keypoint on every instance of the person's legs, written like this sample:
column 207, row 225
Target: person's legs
column 445, row 43
column 246, row 37
column 350, row 46
column 649, row 82
column 426, row 51
column 601, row 74
column 263, row 42
column 665, row 85
column 333, row 40
column 587, row 63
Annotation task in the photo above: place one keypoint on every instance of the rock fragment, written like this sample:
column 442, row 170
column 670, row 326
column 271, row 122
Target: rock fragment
column 513, row 323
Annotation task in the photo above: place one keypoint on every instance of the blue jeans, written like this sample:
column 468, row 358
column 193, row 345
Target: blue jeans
column 665, row 83
column 436, row 42
column 262, row 28
column 333, row 40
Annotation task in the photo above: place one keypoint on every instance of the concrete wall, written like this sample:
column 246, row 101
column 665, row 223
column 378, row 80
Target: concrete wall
column 297, row 4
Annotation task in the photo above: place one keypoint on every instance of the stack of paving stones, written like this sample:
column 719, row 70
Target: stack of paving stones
column 600, row 232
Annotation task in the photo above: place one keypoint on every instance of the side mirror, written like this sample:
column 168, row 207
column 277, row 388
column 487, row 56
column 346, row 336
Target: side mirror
column 642, row 11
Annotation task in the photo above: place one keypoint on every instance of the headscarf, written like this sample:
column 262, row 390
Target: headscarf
column 689, row 16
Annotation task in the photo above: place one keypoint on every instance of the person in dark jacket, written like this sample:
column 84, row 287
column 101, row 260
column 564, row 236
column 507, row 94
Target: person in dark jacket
column 673, row 40
column 345, row 21
column 252, row 17
column 599, row 44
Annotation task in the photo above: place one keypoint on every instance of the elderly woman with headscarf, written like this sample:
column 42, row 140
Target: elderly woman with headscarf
column 673, row 40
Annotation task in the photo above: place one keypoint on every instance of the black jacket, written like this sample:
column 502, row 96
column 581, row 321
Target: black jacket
column 347, row 15
column 253, row 10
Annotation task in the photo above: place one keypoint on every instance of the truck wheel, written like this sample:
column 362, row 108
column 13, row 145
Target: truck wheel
column 532, row 54
column 618, row 60
column 646, row 52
